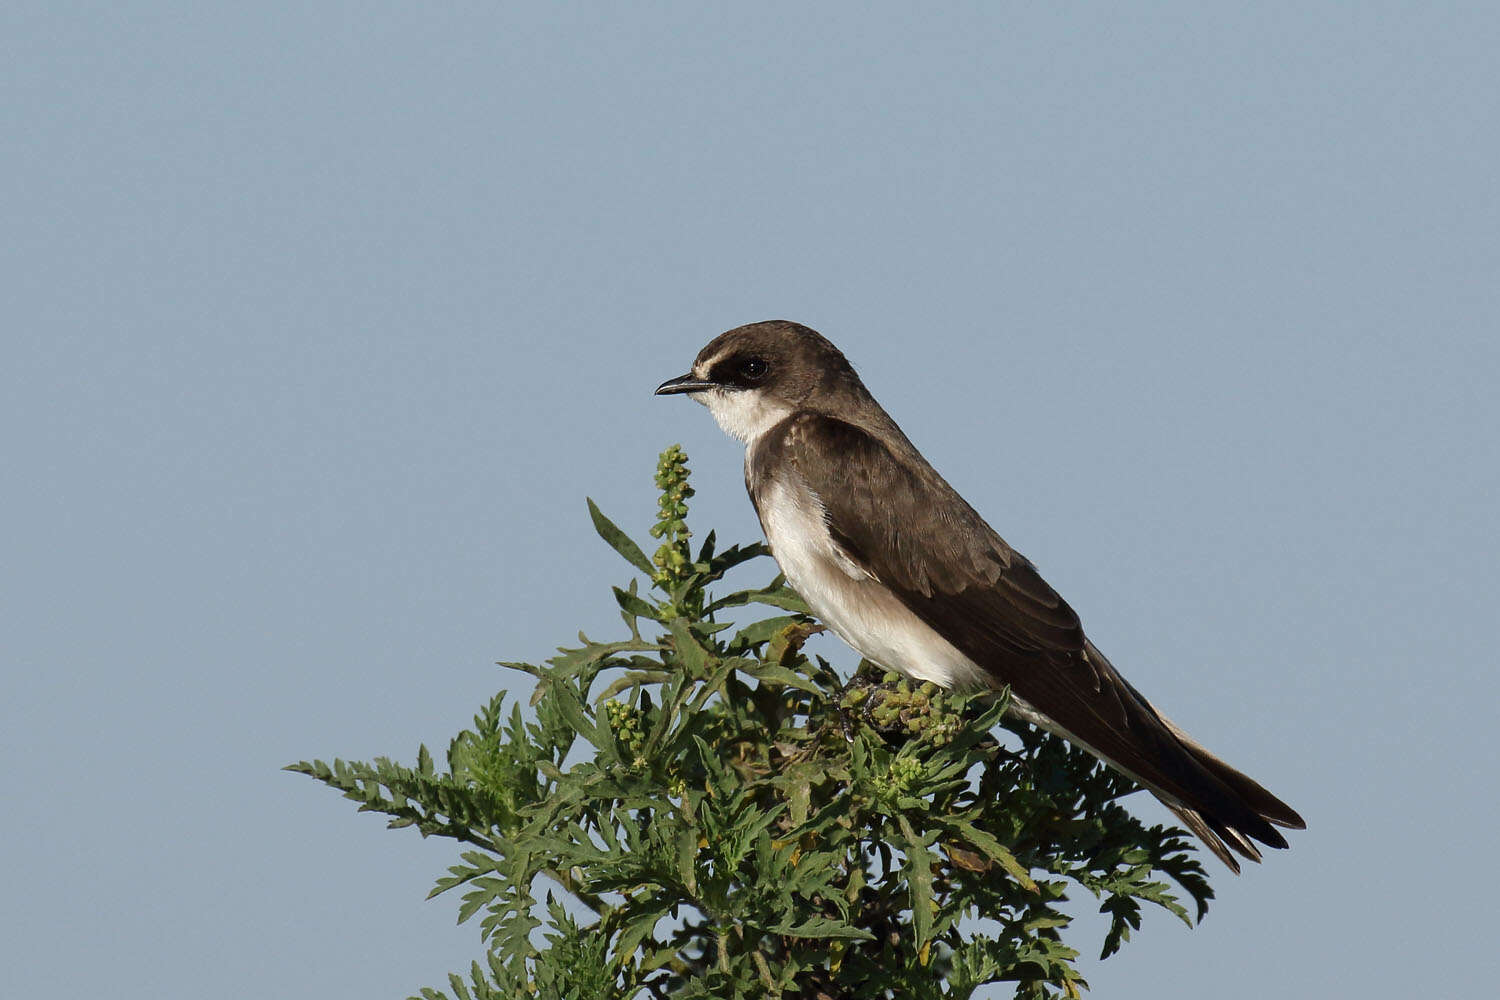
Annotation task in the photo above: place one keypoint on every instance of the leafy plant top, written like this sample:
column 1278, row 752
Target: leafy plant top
column 699, row 809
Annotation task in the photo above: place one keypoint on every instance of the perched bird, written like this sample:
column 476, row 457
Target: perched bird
column 894, row 561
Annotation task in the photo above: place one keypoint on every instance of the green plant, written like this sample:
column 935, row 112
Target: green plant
column 706, row 811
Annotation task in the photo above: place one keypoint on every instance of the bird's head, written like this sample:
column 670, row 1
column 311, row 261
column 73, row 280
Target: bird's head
column 753, row 377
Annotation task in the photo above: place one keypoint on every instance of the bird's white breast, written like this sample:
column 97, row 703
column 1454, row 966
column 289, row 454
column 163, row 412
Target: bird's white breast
column 846, row 598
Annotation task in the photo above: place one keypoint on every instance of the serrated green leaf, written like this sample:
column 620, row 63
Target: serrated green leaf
column 619, row 541
column 687, row 855
column 636, row 606
column 780, row 596
column 561, row 696
column 775, row 673
column 689, row 649
column 918, row 871
column 763, row 631
column 636, row 931
column 823, row 927
column 995, row 851
column 634, row 678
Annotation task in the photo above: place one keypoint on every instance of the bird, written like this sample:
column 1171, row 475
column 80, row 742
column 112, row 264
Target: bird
column 891, row 558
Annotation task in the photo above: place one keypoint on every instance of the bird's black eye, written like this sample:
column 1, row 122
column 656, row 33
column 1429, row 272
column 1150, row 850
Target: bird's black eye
column 753, row 369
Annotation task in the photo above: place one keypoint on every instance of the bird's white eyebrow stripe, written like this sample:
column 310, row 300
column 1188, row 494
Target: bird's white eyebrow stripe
column 702, row 368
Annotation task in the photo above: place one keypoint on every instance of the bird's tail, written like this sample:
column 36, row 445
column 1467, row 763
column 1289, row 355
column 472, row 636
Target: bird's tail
column 1224, row 807
column 1220, row 835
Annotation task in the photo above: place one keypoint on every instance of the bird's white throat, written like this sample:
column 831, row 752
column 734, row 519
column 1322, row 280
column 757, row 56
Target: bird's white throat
column 743, row 413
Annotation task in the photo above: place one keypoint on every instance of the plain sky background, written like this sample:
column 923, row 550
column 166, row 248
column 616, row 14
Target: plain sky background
column 320, row 321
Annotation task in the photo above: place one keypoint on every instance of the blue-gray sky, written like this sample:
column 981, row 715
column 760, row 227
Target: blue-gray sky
column 322, row 320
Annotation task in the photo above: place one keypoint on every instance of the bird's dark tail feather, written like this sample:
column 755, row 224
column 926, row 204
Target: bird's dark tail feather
column 1220, row 836
column 1224, row 807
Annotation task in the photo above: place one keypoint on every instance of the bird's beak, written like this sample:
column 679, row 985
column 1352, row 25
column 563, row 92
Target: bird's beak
column 683, row 383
